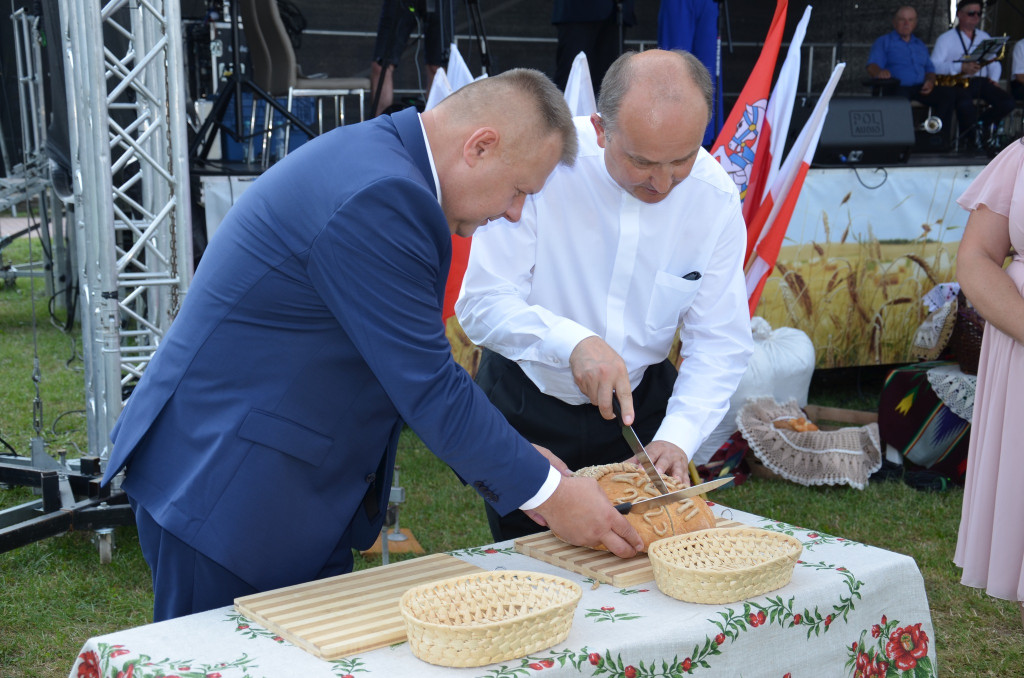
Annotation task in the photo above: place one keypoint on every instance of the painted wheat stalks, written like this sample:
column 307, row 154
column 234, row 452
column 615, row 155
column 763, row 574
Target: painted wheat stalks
column 924, row 267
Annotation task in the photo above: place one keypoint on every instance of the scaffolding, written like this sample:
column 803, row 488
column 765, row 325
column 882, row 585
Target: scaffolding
column 130, row 241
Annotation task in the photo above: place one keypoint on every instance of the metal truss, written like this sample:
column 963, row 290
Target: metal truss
column 125, row 82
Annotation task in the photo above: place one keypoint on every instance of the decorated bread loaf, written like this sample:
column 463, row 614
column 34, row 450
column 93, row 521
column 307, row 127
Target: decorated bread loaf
column 628, row 482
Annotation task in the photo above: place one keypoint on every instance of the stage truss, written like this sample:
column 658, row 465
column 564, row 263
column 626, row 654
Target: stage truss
column 125, row 83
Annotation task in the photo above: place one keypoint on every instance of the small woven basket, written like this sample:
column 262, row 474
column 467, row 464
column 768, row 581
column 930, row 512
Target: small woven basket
column 723, row 565
column 488, row 617
column 965, row 342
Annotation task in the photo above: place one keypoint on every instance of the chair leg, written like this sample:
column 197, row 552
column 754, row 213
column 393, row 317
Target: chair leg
column 252, row 133
column 288, row 124
column 362, row 106
column 268, row 116
column 339, row 109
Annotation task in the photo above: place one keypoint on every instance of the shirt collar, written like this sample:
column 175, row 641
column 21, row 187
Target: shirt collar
column 430, row 157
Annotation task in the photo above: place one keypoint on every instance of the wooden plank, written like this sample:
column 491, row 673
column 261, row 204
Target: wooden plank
column 355, row 612
column 838, row 414
column 601, row 566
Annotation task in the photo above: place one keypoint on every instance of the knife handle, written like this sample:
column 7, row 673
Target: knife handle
column 624, row 507
column 616, row 409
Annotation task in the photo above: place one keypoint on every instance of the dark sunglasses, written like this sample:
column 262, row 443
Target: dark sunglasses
column 974, row 13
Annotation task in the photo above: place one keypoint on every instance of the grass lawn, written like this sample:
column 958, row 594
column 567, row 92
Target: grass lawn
column 56, row 594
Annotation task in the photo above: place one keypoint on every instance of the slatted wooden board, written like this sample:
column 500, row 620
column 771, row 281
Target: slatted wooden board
column 350, row 613
column 599, row 565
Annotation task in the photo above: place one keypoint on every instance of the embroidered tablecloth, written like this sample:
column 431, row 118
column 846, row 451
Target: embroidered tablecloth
column 954, row 388
column 850, row 610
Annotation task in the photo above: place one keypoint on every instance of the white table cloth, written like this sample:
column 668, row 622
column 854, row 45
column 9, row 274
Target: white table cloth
column 849, row 608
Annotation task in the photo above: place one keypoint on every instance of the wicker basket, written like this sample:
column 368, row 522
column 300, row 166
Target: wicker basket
column 719, row 566
column 488, row 617
column 965, row 342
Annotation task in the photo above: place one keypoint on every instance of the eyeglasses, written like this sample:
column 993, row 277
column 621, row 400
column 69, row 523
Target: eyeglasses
column 974, row 13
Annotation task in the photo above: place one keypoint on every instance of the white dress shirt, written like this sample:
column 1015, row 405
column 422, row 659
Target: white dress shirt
column 948, row 47
column 1017, row 65
column 587, row 258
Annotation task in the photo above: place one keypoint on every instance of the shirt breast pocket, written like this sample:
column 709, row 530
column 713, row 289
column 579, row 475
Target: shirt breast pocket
column 670, row 299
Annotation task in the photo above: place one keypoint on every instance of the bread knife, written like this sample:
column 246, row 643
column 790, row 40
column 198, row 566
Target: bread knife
column 671, row 497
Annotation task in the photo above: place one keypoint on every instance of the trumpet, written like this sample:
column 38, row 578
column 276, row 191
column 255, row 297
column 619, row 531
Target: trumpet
column 932, row 124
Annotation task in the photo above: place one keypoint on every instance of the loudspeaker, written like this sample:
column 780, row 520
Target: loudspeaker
column 866, row 131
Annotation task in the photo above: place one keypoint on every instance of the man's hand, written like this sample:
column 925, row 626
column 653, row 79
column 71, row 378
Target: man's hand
column 580, row 512
column 970, row 67
column 669, row 459
column 598, row 371
column 928, row 86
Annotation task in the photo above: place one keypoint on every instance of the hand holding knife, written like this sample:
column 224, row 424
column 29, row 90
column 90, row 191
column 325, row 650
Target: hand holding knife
column 655, row 477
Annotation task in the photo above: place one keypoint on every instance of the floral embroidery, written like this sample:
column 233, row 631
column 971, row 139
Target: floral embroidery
column 484, row 551
column 93, row 665
column 244, row 627
column 892, row 651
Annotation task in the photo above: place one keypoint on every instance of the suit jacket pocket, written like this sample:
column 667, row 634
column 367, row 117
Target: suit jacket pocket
column 286, row 436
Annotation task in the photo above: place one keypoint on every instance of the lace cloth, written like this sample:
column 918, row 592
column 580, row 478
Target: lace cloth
column 954, row 388
column 847, row 456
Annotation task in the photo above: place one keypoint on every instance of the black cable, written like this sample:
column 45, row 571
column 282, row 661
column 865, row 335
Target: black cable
column 877, row 169
column 8, row 446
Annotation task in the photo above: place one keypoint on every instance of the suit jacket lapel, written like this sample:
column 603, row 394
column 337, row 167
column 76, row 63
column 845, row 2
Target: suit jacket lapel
column 407, row 122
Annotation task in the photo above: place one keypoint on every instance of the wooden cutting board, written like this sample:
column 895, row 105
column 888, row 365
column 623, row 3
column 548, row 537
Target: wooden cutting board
column 601, row 566
column 350, row 613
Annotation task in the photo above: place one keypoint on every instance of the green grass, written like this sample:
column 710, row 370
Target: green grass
column 54, row 594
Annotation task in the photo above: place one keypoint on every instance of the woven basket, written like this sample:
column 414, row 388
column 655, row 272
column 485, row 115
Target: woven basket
column 719, row 566
column 965, row 342
column 488, row 617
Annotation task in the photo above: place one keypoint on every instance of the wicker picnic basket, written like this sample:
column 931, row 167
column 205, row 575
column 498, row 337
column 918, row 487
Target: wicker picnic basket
column 723, row 565
column 488, row 617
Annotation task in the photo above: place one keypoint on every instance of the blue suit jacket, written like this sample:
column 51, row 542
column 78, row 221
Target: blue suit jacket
column 312, row 330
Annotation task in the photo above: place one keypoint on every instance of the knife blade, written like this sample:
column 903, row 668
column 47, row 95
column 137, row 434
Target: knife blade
column 638, row 449
column 671, row 497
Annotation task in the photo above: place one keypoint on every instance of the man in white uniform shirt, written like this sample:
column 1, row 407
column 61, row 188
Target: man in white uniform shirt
column 1017, row 71
column 982, row 81
column 583, row 297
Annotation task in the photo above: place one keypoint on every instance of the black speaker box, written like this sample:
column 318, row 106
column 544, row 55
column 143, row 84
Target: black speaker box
column 866, row 131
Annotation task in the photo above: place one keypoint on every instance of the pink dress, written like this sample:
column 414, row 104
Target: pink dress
column 990, row 544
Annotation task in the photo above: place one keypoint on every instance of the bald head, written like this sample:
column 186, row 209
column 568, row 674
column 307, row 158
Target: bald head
column 653, row 80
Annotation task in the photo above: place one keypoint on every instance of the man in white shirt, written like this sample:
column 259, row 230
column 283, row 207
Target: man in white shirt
column 982, row 80
column 1017, row 71
column 582, row 298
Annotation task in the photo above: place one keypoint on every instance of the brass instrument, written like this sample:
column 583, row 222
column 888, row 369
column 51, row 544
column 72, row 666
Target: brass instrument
column 961, row 80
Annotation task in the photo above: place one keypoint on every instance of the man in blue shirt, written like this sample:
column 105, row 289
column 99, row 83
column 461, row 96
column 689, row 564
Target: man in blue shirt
column 902, row 56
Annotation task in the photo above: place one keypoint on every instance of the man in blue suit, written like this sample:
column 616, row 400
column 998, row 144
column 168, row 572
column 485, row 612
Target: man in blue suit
column 258, row 445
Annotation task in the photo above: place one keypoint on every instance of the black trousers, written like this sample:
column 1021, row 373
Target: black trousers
column 577, row 434
column 1000, row 103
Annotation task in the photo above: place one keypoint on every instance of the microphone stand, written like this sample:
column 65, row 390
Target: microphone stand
column 473, row 10
column 199, row 148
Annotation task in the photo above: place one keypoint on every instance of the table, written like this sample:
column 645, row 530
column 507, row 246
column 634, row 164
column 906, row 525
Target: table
column 848, row 604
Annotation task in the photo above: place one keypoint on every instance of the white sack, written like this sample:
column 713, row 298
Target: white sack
column 781, row 367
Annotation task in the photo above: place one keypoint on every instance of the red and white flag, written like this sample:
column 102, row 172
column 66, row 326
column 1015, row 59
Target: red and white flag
column 766, row 231
column 772, row 141
column 737, row 143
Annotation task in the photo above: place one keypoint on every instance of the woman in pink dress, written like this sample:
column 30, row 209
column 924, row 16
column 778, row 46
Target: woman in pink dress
column 990, row 544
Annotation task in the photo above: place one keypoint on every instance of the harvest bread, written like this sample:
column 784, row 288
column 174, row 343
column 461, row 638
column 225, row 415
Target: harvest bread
column 628, row 482
column 798, row 424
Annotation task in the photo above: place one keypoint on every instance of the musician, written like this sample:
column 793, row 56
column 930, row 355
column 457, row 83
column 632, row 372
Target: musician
column 902, row 56
column 1017, row 71
column 979, row 79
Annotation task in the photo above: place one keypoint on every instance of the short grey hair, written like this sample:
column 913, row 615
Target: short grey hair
column 621, row 74
column 522, row 84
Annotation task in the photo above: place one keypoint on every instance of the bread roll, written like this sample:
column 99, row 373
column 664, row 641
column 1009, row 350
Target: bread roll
column 628, row 482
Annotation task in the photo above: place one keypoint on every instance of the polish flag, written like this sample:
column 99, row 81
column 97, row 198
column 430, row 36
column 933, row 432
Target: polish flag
column 772, row 140
column 768, row 227
column 737, row 143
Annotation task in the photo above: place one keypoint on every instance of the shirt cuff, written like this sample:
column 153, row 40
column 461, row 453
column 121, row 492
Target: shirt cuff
column 545, row 491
